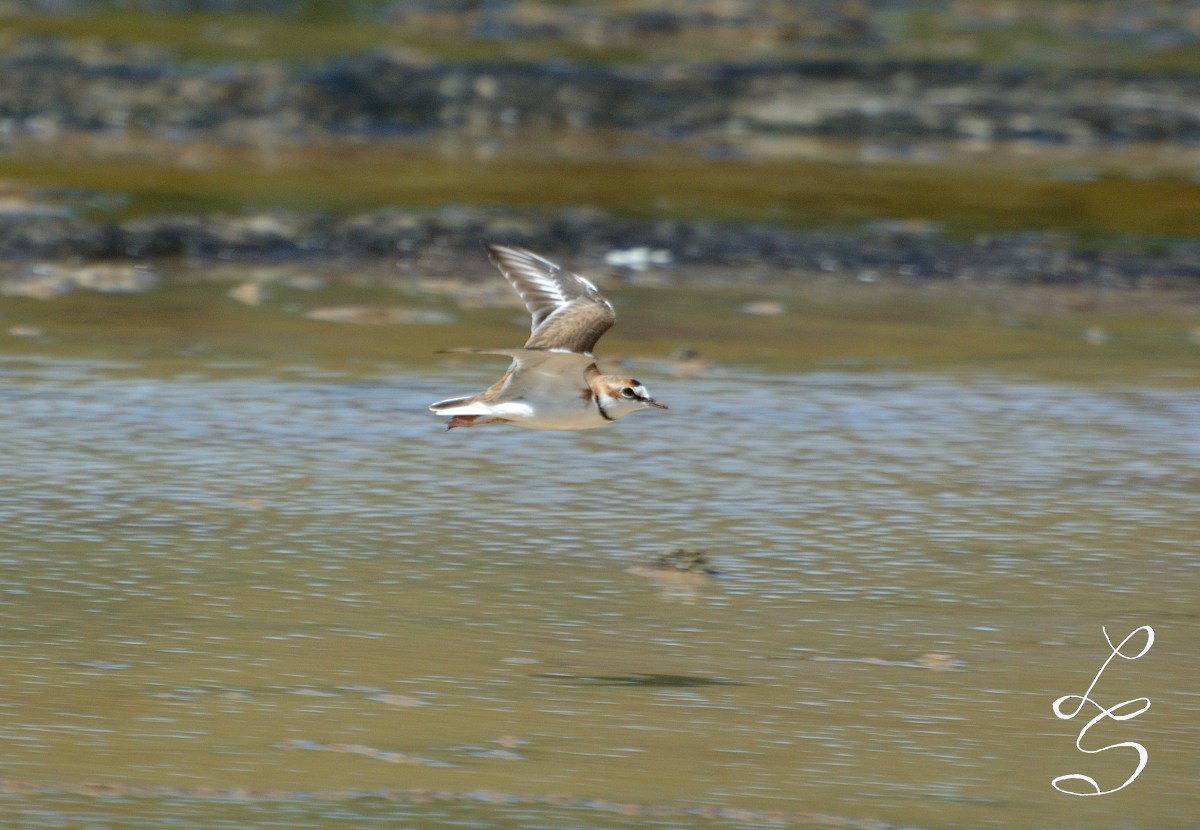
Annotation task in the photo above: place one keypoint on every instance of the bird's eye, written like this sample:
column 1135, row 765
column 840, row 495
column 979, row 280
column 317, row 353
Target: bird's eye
column 628, row 392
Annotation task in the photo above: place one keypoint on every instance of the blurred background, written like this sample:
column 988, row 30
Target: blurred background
column 936, row 145
column 919, row 280
column 926, row 147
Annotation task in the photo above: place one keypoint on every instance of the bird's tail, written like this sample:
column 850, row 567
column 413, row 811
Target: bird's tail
column 449, row 403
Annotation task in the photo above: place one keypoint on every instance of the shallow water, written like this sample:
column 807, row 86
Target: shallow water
column 289, row 596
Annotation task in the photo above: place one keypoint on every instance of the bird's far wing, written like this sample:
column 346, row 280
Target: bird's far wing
column 566, row 309
column 575, row 327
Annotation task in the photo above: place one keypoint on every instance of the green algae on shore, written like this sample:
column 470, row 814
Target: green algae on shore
column 957, row 195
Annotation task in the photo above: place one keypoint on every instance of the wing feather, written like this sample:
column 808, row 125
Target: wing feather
column 566, row 309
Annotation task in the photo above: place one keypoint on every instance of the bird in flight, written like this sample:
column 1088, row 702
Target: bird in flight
column 553, row 382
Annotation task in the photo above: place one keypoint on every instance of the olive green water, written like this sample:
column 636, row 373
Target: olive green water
column 242, row 585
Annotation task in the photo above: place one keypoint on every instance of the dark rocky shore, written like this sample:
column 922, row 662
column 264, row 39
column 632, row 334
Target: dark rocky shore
column 881, row 250
column 48, row 85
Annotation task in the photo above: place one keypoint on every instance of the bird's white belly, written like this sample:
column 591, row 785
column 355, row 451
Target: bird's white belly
column 553, row 413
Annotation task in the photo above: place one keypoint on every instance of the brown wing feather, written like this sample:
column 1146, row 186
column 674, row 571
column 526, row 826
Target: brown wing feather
column 575, row 327
column 566, row 309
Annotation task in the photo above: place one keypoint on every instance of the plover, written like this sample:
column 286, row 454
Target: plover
column 553, row 382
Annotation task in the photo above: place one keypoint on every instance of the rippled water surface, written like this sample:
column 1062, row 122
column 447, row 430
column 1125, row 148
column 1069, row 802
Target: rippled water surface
column 290, row 597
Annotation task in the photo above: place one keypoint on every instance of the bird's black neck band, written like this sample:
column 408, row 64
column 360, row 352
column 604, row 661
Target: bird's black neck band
column 600, row 409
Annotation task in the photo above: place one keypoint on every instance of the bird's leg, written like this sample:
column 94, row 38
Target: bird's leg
column 471, row 421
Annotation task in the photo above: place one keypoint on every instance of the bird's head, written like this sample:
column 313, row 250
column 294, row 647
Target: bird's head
column 620, row 396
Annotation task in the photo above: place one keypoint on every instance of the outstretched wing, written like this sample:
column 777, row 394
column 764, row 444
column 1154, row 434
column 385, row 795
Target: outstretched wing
column 568, row 312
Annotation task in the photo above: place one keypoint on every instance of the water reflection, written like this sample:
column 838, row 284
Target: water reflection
column 202, row 577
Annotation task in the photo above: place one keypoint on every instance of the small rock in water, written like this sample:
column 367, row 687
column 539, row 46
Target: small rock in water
column 940, row 662
column 48, row 280
column 763, row 308
column 378, row 315
column 638, row 259
column 114, row 279
column 403, row 701
column 26, row 331
column 681, row 572
column 687, row 362
column 249, row 293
